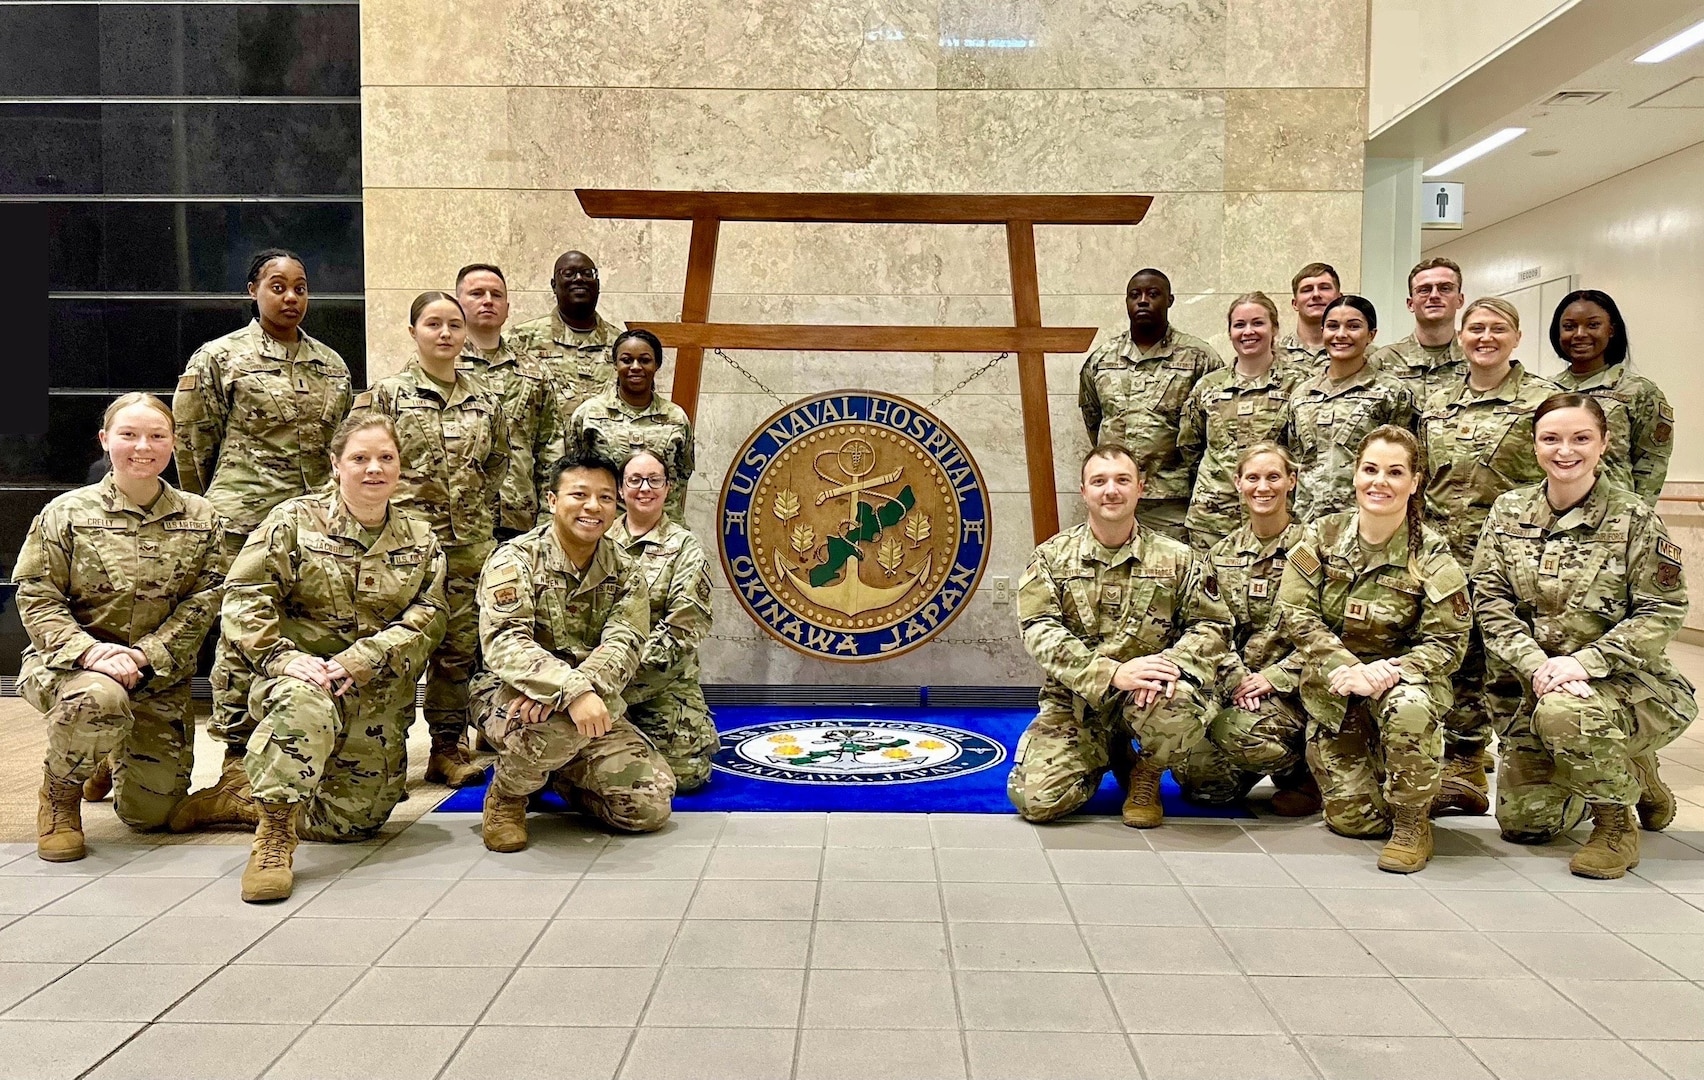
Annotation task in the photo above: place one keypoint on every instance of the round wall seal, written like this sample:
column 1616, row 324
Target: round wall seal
column 854, row 525
column 854, row 752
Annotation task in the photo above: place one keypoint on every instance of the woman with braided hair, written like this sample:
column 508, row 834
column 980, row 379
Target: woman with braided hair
column 1378, row 610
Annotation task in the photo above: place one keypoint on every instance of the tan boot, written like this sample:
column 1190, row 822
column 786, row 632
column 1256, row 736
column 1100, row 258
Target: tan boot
column 1656, row 801
column 227, row 802
column 59, row 820
column 1410, row 846
column 505, row 824
column 1466, row 790
column 450, row 763
column 1297, row 794
column 268, row 875
column 1614, row 845
column 99, row 786
column 1142, row 809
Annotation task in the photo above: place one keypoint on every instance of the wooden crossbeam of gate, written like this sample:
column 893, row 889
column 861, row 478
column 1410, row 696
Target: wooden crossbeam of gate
column 1027, row 338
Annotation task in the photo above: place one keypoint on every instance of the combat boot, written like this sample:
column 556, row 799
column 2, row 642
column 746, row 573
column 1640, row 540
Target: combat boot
column 1409, row 848
column 228, row 802
column 59, row 820
column 505, row 824
column 1298, row 793
column 1142, row 809
column 99, row 785
column 268, row 875
column 450, row 763
column 1614, row 845
column 1466, row 788
column 1656, row 801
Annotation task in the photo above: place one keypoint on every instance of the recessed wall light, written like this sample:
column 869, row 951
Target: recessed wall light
column 1674, row 46
column 1476, row 151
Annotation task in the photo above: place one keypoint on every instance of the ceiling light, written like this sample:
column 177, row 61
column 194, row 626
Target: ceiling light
column 1674, row 46
column 1475, row 152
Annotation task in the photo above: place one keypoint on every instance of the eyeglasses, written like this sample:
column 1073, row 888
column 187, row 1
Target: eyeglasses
column 637, row 482
column 590, row 274
column 1444, row 289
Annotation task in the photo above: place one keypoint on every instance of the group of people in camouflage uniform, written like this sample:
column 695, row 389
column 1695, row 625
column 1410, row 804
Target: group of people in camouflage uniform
column 1350, row 569
column 1259, row 588
column 460, row 520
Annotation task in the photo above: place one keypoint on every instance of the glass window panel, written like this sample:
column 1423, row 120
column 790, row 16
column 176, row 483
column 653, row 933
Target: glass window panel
column 18, row 507
column 269, row 50
column 66, row 456
column 198, row 247
column 204, row 149
column 144, row 344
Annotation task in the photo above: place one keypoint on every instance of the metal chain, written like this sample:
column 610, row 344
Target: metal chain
column 753, row 379
column 968, row 379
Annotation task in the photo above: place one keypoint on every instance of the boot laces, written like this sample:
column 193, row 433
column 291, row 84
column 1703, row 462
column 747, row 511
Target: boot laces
column 65, row 813
column 273, row 855
column 1405, row 832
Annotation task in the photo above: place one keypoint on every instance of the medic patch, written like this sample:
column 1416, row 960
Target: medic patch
column 506, row 596
column 1668, row 549
column 1463, row 608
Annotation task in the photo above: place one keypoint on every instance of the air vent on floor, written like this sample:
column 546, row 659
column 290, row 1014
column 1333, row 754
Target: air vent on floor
column 1567, row 98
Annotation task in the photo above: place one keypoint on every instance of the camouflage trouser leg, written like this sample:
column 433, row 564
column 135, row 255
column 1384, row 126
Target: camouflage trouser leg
column 677, row 721
column 452, row 664
column 1482, row 695
column 1061, row 758
column 1164, row 516
column 618, row 777
column 1529, row 801
column 1240, row 748
column 342, row 758
column 1592, row 740
column 1400, row 734
column 90, row 715
column 231, row 680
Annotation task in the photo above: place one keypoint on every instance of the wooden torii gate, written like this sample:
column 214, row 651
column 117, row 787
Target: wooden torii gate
column 1027, row 338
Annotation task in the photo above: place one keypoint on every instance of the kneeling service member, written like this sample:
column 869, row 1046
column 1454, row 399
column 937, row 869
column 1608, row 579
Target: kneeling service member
column 1128, row 638
column 563, row 619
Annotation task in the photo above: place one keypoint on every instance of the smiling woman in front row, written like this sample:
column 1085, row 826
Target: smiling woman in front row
column 1578, row 588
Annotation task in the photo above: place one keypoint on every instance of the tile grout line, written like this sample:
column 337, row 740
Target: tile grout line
column 947, row 937
column 810, row 953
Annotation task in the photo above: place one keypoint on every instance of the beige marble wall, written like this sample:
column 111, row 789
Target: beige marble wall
column 1244, row 118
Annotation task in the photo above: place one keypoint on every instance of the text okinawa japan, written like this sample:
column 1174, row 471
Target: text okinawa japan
column 854, row 525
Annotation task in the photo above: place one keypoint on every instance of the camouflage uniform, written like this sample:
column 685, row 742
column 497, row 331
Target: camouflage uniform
column 535, row 430
column 1243, row 746
column 1424, row 369
column 1225, row 414
column 311, row 581
column 1601, row 582
column 455, row 457
column 1478, row 445
column 1328, row 420
column 576, row 361
column 1343, row 604
column 1136, row 397
column 1641, row 427
column 254, row 428
column 664, row 700
column 1085, row 609
column 611, row 429
column 1298, row 361
column 552, row 632
column 96, row 567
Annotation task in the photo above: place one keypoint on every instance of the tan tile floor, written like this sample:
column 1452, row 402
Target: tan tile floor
column 855, row 945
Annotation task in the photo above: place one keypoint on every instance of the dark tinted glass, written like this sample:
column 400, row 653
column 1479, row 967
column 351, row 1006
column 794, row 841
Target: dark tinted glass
column 17, row 508
column 198, row 247
column 66, row 456
column 258, row 149
column 144, row 344
column 272, row 50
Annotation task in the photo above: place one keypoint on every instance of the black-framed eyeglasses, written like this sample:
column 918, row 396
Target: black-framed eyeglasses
column 638, row 482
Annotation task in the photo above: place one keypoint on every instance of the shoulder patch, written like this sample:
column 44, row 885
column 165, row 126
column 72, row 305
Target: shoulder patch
column 189, row 380
column 504, row 573
column 363, row 400
column 1668, row 549
column 1304, row 558
column 1445, row 581
column 506, row 596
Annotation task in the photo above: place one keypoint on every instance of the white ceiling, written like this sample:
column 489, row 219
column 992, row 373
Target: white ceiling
column 1650, row 111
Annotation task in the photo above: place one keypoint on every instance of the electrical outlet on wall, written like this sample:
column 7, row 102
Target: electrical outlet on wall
column 1000, row 590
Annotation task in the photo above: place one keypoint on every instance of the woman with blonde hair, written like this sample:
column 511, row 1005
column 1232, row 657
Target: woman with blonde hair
column 1379, row 612
column 1258, row 727
column 118, row 583
column 1477, row 432
column 1229, row 410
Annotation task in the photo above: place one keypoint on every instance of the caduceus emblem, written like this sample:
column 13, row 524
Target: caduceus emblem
column 830, row 573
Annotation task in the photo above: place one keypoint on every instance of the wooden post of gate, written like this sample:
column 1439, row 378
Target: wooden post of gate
column 1026, row 337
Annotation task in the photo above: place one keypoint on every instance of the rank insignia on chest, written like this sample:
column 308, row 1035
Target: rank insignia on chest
column 1550, row 565
column 1355, row 609
column 1245, row 407
column 368, row 581
column 1257, row 588
column 1112, row 595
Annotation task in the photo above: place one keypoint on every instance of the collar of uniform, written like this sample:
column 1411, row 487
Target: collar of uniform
column 1268, row 381
column 602, row 566
column 615, row 406
column 1161, row 349
column 1589, row 513
column 1294, row 344
column 426, row 384
column 341, row 523
column 1244, row 542
column 505, row 352
column 1605, row 377
column 1348, row 545
column 1323, row 385
column 117, row 502
column 563, row 334
column 1507, row 390
column 1456, row 353
column 1089, row 549
column 307, row 352
column 655, row 538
